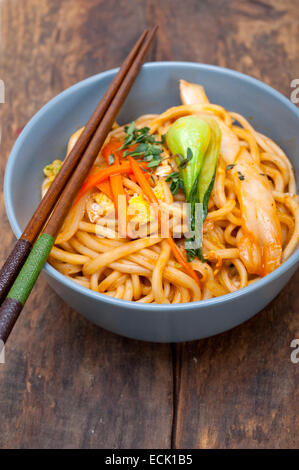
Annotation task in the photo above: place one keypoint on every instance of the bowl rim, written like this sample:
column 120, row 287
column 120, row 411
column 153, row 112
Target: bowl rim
column 74, row 286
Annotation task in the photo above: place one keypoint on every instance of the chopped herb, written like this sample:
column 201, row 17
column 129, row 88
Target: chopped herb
column 230, row 167
column 184, row 161
column 148, row 148
column 183, row 164
column 191, row 253
column 241, row 177
column 175, row 181
column 111, row 159
column 154, row 163
column 263, row 174
column 189, row 154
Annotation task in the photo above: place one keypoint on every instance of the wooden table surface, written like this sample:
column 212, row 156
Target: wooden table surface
column 69, row 384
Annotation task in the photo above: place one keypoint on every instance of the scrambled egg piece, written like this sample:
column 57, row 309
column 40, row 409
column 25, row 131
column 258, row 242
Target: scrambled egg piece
column 139, row 210
column 164, row 169
column 99, row 205
column 159, row 191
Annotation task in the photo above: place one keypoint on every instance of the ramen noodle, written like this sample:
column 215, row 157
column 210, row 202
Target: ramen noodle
column 118, row 247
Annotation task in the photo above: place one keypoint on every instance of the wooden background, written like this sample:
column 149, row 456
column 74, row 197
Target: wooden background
column 67, row 383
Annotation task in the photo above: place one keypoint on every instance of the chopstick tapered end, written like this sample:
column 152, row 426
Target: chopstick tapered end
column 9, row 313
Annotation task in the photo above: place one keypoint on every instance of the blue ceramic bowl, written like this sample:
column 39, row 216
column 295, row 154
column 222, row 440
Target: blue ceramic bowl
column 156, row 88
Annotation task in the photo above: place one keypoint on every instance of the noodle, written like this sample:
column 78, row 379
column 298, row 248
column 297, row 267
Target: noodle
column 140, row 266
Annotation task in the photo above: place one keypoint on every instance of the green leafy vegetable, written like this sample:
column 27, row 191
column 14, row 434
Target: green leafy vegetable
column 189, row 136
column 208, row 171
column 195, row 143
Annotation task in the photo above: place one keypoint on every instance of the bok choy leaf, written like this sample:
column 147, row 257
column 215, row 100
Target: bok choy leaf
column 195, row 142
column 188, row 139
column 208, row 170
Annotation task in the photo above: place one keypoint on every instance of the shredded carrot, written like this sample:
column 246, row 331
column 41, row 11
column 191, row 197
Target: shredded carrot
column 141, row 180
column 116, row 188
column 132, row 178
column 105, row 188
column 102, row 175
column 180, row 258
column 112, row 149
column 116, row 185
column 147, row 189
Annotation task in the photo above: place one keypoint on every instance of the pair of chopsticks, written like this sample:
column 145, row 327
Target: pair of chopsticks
column 24, row 264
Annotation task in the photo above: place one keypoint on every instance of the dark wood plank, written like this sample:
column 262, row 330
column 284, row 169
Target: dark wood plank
column 67, row 383
column 257, row 37
column 240, row 389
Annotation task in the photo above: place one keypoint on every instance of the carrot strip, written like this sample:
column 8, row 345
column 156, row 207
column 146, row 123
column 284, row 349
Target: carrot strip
column 116, row 186
column 117, row 189
column 105, row 188
column 111, row 149
column 146, row 187
column 132, row 178
column 179, row 257
column 102, row 175
column 141, row 180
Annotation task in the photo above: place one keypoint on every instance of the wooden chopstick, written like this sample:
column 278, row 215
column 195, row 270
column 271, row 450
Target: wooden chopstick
column 27, row 276
column 23, row 246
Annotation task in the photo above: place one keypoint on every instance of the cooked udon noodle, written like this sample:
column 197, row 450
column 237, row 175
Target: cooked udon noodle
column 250, row 229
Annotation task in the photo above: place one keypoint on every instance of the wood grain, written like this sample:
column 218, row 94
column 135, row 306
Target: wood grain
column 240, row 389
column 67, row 383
